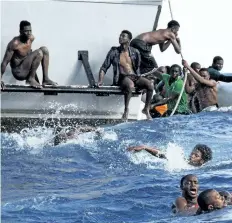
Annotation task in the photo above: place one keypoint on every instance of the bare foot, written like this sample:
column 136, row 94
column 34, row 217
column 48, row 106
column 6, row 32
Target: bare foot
column 147, row 113
column 33, row 83
column 125, row 115
column 49, row 82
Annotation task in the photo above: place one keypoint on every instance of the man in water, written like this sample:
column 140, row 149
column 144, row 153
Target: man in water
column 163, row 37
column 206, row 89
column 217, row 65
column 62, row 135
column 200, row 154
column 173, row 86
column 126, row 65
column 188, row 202
column 210, row 200
column 23, row 61
column 227, row 196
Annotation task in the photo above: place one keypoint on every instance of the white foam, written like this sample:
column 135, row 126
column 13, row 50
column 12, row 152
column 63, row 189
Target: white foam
column 176, row 158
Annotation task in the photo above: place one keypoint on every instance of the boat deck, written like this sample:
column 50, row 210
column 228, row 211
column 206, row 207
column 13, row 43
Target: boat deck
column 80, row 89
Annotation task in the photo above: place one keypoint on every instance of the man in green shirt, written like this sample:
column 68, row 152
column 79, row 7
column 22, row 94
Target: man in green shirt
column 173, row 86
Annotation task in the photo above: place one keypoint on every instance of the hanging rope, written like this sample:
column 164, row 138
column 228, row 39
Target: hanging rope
column 185, row 76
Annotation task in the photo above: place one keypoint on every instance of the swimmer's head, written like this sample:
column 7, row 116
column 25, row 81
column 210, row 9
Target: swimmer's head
column 218, row 63
column 210, row 200
column 25, row 29
column 204, row 73
column 227, row 196
column 189, row 186
column 125, row 37
column 200, row 155
column 196, row 66
column 174, row 26
column 175, row 71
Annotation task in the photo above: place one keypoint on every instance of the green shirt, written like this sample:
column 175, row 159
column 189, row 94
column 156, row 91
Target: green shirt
column 175, row 87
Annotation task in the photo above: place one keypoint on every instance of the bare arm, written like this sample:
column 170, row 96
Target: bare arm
column 181, row 204
column 153, row 151
column 164, row 46
column 175, row 43
column 7, row 57
column 189, row 86
column 210, row 83
column 157, row 73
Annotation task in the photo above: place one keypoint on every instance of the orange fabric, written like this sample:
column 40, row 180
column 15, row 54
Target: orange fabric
column 161, row 108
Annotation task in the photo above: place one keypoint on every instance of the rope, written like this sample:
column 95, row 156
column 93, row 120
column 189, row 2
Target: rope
column 185, row 77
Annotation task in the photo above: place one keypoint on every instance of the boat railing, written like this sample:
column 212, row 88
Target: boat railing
column 83, row 56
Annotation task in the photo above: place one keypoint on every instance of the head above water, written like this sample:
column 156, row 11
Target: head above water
column 204, row 73
column 25, row 29
column 200, row 154
column 210, row 200
column 175, row 71
column 174, row 26
column 125, row 37
column 218, row 63
column 189, row 186
column 196, row 66
column 227, row 196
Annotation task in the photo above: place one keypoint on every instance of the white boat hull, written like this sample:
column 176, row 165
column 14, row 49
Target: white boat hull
column 65, row 27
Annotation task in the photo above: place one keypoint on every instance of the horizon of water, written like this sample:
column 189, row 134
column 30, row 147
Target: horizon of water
column 91, row 179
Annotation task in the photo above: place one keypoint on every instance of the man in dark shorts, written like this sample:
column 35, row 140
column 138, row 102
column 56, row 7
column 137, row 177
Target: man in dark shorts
column 163, row 37
column 188, row 201
column 23, row 61
column 126, row 66
column 217, row 65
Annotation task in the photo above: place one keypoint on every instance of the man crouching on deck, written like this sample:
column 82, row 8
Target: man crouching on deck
column 23, row 61
column 126, row 65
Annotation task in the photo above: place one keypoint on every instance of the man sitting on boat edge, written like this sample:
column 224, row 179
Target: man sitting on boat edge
column 126, row 66
column 23, row 61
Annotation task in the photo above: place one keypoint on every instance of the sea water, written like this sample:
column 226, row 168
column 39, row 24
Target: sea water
column 91, row 179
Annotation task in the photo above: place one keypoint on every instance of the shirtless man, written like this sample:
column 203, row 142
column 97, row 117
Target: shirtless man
column 163, row 37
column 126, row 66
column 188, row 202
column 62, row 135
column 210, row 200
column 190, row 88
column 207, row 88
column 23, row 61
column 200, row 154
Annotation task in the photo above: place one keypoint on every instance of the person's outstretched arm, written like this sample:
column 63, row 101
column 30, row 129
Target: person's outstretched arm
column 210, row 83
column 153, row 151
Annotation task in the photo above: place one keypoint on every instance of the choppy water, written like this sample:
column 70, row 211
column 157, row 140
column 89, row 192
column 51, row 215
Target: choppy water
column 97, row 180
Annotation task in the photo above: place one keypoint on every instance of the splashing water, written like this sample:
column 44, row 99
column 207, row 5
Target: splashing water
column 95, row 179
